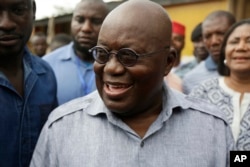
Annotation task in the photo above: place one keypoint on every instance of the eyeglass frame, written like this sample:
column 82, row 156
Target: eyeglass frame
column 128, row 49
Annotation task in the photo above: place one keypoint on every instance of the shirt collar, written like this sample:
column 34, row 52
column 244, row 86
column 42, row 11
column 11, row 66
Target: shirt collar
column 70, row 53
column 171, row 99
column 210, row 64
column 30, row 63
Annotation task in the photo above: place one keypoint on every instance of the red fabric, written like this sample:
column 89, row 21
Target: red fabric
column 178, row 28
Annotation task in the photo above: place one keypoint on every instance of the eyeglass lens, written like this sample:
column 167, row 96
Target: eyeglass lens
column 125, row 56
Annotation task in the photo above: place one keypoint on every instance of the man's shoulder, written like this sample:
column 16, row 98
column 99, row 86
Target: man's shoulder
column 57, row 54
column 202, row 106
column 72, row 107
column 185, row 68
column 190, row 65
column 193, row 105
column 196, row 71
column 37, row 64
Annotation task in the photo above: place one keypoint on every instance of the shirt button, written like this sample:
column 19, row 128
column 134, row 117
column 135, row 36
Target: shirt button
column 142, row 144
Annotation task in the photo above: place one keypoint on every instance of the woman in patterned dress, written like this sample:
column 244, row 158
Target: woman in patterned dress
column 231, row 91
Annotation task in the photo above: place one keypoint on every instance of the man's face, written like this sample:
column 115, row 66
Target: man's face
column 178, row 42
column 200, row 51
column 16, row 19
column 130, row 90
column 86, row 24
column 213, row 31
column 39, row 45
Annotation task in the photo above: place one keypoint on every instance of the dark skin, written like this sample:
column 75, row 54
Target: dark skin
column 16, row 20
column 178, row 42
column 85, row 26
column 134, row 94
column 14, row 72
column 39, row 45
column 213, row 30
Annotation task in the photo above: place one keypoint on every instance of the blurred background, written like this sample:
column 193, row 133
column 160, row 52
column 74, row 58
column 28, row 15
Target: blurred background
column 53, row 16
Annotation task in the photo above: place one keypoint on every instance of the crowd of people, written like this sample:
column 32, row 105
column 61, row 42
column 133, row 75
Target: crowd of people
column 115, row 92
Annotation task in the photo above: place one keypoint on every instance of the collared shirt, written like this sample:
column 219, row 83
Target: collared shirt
column 85, row 133
column 75, row 78
column 215, row 91
column 22, row 118
column 205, row 70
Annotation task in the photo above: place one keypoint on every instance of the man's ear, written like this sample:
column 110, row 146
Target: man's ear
column 34, row 9
column 170, row 60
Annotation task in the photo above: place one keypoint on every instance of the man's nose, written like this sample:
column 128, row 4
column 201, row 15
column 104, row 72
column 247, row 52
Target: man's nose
column 6, row 22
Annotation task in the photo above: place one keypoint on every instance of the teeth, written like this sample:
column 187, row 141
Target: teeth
column 116, row 86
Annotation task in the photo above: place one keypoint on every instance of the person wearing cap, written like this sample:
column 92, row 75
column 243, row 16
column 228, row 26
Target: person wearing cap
column 200, row 52
column 178, row 41
column 213, row 29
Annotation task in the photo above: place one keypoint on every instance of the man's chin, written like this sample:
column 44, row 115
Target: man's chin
column 86, row 46
column 82, row 47
column 11, row 51
column 216, row 56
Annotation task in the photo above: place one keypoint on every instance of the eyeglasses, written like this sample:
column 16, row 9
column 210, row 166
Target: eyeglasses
column 125, row 56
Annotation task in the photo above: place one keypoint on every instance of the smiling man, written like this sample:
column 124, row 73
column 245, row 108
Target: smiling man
column 134, row 119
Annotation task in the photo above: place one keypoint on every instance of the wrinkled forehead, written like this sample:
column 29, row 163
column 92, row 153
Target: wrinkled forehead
column 215, row 22
column 142, row 23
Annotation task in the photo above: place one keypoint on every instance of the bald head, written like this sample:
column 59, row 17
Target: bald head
column 102, row 7
column 221, row 13
column 140, row 17
column 213, row 29
column 138, row 32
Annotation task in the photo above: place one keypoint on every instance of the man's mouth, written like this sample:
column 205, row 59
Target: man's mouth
column 9, row 40
column 116, row 89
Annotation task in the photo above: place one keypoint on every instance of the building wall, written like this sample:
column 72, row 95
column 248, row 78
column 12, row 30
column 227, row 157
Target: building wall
column 191, row 14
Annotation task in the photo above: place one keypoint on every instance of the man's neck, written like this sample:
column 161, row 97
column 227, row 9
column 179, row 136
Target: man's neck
column 11, row 64
column 12, row 68
column 84, row 56
column 141, row 122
